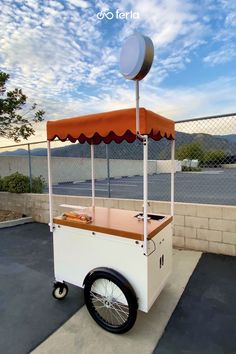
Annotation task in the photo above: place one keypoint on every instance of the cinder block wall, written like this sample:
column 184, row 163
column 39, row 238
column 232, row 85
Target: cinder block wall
column 66, row 169
column 209, row 228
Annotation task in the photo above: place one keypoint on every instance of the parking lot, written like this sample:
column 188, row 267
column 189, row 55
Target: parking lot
column 206, row 187
column 199, row 319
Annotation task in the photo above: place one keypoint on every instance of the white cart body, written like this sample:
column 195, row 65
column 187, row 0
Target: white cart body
column 78, row 251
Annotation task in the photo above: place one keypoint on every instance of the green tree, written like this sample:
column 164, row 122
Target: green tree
column 214, row 157
column 191, row 151
column 16, row 116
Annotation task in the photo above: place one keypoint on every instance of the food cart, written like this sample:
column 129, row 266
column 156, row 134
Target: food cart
column 121, row 258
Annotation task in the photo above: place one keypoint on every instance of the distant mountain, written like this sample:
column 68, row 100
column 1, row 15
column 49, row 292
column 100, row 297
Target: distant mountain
column 39, row 152
column 208, row 142
column 230, row 137
column 157, row 150
column 22, row 152
column 15, row 152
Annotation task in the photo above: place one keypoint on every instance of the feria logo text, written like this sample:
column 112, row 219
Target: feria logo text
column 119, row 15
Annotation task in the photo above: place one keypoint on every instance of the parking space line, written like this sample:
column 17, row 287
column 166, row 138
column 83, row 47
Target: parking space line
column 79, row 188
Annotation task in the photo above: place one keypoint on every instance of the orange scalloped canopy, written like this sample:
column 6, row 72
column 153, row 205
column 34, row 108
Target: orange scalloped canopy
column 111, row 126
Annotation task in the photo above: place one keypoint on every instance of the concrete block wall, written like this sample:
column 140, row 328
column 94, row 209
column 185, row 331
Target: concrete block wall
column 70, row 169
column 208, row 228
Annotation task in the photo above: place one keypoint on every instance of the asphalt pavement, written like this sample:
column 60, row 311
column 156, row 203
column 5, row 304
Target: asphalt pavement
column 28, row 312
column 206, row 187
column 204, row 319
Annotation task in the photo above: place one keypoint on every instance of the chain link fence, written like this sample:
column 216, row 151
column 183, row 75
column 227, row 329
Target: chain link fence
column 205, row 165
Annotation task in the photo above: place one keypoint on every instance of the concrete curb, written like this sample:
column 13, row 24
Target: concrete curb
column 15, row 222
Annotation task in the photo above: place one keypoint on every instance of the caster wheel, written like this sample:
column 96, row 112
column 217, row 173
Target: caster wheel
column 60, row 291
column 111, row 301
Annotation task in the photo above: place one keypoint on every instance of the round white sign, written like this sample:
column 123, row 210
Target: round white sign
column 136, row 57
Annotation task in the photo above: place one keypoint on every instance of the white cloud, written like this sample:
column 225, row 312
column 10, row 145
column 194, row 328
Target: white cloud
column 80, row 3
column 215, row 97
column 223, row 55
column 44, row 44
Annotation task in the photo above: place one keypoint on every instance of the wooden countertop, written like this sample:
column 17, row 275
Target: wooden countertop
column 117, row 222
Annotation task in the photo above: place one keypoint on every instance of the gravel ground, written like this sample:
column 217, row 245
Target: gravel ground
column 6, row 215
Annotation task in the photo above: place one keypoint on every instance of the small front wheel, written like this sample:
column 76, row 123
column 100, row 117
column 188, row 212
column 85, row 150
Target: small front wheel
column 60, row 290
column 111, row 301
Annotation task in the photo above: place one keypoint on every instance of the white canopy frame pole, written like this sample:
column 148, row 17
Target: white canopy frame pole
column 137, row 107
column 92, row 175
column 145, row 194
column 50, row 186
column 172, row 176
column 145, row 171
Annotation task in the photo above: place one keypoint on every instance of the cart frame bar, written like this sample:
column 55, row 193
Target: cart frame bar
column 92, row 175
column 145, row 192
column 50, row 187
column 137, row 107
column 172, row 176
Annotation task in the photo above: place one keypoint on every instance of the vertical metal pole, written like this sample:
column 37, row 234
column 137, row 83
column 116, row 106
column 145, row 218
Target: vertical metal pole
column 30, row 168
column 92, row 175
column 50, row 187
column 145, row 193
column 108, row 171
column 172, row 175
column 137, row 106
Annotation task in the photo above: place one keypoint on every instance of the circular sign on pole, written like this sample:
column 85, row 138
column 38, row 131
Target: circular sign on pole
column 136, row 57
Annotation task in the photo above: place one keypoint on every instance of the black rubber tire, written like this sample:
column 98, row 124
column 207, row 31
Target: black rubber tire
column 127, row 291
column 60, row 291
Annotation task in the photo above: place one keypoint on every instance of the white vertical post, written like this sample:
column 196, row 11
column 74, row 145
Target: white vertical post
column 145, row 193
column 137, row 107
column 172, row 175
column 92, row 175
column 30, row 168
column 50, row 187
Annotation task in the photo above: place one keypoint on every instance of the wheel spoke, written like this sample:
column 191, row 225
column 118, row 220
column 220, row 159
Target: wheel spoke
column 110, row 315
column 96, row 297
column 118, row 314
column 99, row 306
column 106, row 283
column 117, row 320
column 126, row 313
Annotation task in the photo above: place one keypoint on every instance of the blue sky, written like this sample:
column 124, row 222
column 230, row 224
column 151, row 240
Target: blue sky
column 67, row 59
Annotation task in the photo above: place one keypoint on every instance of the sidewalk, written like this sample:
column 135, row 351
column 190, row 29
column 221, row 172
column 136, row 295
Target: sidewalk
column 81, row 335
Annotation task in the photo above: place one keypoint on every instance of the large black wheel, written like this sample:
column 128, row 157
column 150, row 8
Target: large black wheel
column 60, row 290
column 110, row 300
